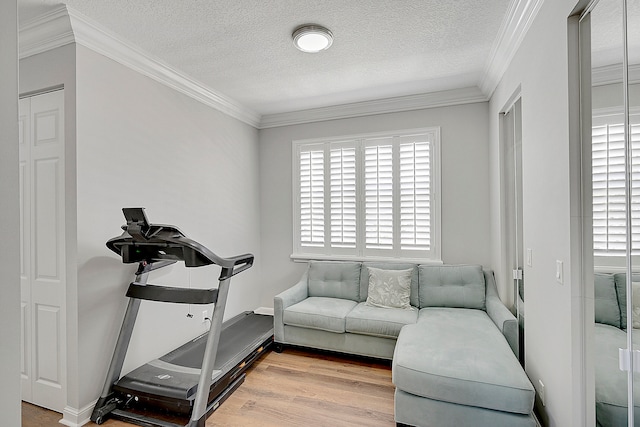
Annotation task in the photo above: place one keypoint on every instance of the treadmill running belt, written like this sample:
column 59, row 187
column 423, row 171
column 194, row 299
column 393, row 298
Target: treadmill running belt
column 171, row 381
column 237, row 334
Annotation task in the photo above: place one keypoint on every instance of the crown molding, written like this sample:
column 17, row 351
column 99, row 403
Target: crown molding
column 517, row 21
column 610, row 74
column 379, row 106
column 45, row 32
column 63, row 25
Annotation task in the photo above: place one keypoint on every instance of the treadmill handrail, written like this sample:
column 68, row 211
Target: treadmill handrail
column 240, row 263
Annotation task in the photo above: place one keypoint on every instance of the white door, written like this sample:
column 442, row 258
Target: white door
column 43, row 250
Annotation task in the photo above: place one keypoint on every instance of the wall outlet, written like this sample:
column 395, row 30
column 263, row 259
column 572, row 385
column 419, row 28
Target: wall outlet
column 541, row 392
column 205, row 316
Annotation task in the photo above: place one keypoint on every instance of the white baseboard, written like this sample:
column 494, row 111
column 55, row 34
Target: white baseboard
column 73, row 417
column 264, row 310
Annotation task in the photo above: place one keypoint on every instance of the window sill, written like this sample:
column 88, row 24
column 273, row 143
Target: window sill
column 320, row 257
column 614, row 263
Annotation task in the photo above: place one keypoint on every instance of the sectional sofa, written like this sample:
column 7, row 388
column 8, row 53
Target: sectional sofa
column 611, row 335
column 452, row 342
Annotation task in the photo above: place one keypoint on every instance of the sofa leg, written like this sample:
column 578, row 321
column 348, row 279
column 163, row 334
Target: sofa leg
column 278, row 347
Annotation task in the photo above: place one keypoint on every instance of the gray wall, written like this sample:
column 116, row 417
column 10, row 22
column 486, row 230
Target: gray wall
column 140, row 143
column 553, row 325
column 465, row 185
column 131, row 141
column 10, row 219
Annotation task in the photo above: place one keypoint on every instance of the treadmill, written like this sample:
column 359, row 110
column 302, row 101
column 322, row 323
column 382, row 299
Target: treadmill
column 194, row 379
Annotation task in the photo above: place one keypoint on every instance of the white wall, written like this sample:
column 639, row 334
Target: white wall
column 140, row 143
column 465, row 185
column 10, row 223
column 540, row 68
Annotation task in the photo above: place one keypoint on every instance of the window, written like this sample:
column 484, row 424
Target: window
column 368, row 197
column 608, row 171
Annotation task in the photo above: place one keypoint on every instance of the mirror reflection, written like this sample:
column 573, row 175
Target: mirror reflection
column 616, row 217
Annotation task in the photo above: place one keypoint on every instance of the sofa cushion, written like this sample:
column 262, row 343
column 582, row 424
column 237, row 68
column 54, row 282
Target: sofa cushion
column 389, row 288
column 621, row 289
column 607, row 310
column 380, row 322
column 413, row 410
column 334, row 279
column 364, row 278
column 459, row 356
column 611, row 382
column 327, row 314
column 460, row 286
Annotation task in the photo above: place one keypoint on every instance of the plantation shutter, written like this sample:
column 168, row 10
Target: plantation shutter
column 415, row 196
column 372, row 197
column 343, row 196
column 608, row 171
column 379, row 194
column 312, row 197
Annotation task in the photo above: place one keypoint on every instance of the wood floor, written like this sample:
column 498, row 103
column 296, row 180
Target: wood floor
column 293, row 388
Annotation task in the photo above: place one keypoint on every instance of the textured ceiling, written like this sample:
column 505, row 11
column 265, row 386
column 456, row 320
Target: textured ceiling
column 243, row 50
column 607, row 32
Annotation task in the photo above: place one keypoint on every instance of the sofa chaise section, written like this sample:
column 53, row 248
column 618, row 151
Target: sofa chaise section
column 455, row 366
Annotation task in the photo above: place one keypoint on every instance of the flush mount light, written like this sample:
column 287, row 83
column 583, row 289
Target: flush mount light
column 312, row 38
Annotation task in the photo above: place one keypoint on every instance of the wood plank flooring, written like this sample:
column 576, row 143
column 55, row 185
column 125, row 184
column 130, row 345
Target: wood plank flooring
column 293, row 388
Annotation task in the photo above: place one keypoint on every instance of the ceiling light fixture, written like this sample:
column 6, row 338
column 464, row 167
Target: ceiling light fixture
column 312, row 38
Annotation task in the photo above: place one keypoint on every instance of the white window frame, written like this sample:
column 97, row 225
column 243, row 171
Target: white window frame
column 614, row 261
column 360, row 253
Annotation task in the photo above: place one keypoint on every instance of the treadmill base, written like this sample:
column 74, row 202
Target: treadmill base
column 144, row 397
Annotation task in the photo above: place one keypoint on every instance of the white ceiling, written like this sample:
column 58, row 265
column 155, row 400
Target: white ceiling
column 243, row 50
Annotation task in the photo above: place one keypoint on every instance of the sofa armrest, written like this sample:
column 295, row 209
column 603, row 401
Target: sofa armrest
column 500, row 314
column 284, row 299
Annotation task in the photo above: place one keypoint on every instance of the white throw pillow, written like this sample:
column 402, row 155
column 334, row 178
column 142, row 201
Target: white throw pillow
column 389, row 288
column 636, row 304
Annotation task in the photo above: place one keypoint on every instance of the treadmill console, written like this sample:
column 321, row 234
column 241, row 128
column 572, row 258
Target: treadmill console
column 137, row 223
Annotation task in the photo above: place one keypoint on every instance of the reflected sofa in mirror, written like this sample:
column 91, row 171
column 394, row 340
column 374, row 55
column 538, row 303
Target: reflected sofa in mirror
column 610, row 336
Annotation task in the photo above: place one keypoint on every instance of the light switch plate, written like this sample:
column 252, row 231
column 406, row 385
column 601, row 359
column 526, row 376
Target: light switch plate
column 529, row 257
column 559, row 272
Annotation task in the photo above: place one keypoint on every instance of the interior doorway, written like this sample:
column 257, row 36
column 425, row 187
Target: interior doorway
column 511, row 159
column 42, row 254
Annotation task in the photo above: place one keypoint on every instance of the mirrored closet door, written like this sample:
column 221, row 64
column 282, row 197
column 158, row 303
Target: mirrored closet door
column 614, row 27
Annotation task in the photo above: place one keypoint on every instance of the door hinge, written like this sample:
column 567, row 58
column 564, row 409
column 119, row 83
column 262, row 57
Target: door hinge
column 625, row 359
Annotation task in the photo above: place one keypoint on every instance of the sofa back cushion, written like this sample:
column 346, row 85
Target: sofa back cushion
column 606, row 300
column 334, row 279
column 621, row 288
column 460, row 286
column 364, row 278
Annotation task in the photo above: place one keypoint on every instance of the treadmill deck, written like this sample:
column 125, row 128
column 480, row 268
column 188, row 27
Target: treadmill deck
column 171, row 381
